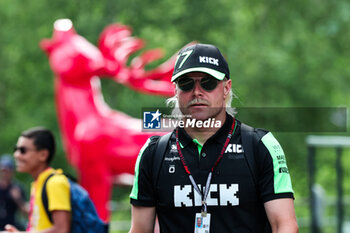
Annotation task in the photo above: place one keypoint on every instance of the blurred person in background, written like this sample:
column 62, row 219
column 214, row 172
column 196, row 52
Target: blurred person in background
column 33, row 153
column 12, row 197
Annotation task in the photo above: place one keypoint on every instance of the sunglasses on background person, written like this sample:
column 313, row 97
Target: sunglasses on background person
column 207, row 83
column 22, row 149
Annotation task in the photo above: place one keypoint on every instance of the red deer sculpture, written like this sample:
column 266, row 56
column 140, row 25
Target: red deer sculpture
column 100, row 142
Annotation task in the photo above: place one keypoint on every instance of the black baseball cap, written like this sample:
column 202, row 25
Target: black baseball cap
column 204, row 58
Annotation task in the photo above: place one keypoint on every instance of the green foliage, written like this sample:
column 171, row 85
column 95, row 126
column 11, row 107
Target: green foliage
column 281, row 54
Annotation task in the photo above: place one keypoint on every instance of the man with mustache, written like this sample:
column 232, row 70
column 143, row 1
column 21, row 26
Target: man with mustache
column 205, row 172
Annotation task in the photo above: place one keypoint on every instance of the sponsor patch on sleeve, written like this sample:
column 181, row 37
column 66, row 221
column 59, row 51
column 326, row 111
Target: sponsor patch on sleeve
column 282, row 181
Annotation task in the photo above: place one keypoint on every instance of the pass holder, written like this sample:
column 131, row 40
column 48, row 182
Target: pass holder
column 202, row 223
column 202, row 220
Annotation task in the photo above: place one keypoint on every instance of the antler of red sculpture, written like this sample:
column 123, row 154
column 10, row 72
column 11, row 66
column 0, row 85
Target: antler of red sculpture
column 116, row 44
column 101, row 142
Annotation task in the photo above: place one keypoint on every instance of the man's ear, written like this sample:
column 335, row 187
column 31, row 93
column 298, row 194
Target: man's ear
column 44, row 155
column 227, row 88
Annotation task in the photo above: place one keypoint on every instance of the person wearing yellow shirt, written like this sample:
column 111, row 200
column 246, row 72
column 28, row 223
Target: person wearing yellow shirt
column 33, row 153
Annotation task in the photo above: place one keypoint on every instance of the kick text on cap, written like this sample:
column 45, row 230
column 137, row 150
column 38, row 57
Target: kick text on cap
column 209, row 60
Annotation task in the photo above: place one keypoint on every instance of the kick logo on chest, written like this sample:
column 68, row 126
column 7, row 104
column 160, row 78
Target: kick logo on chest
column 219, row 195
column 234, row 148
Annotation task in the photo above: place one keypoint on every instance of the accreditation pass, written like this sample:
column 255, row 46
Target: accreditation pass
column 202, row 223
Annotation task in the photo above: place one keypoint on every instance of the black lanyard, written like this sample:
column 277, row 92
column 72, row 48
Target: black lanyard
column 207, row 185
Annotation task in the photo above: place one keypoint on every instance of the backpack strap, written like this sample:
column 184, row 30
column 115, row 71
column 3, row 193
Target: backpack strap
column 160, row 149
column 247, row 133
column 250, row 138
column 45, row 199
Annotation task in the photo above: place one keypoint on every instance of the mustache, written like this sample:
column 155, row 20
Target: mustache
column 197, row 101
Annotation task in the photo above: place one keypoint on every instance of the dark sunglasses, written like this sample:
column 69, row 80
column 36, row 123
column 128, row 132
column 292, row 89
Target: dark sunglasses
column 208, row 83
column 22, row 149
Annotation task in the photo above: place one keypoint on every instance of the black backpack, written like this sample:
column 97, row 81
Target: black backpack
column 250, row 138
